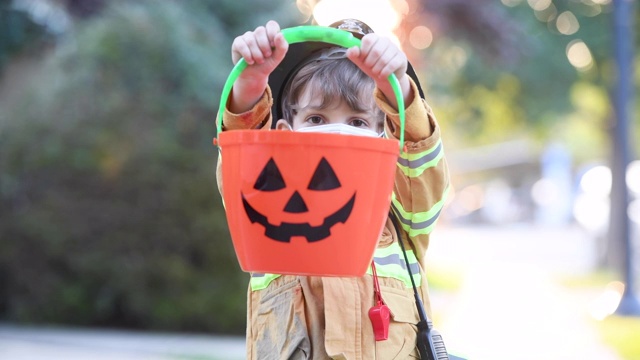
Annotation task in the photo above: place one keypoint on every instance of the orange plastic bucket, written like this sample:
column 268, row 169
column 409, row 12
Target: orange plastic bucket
column 306, row 203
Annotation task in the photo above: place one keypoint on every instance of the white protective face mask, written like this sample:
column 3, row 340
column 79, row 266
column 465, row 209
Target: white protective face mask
column 342, row 129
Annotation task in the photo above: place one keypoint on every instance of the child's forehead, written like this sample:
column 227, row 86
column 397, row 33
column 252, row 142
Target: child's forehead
column 316, row 91
column 317, row 98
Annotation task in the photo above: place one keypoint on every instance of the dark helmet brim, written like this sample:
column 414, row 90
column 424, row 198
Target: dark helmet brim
column 299, row 52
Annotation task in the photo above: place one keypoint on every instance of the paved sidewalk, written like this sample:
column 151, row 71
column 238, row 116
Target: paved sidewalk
column 511, row 304
column 56, row 343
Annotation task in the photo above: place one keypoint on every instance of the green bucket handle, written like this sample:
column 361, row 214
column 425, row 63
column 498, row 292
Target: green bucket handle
column 312, row 33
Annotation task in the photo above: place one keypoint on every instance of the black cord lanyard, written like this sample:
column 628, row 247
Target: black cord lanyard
column 429, row 342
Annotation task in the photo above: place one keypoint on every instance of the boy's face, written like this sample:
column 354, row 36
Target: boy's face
column 310, row 113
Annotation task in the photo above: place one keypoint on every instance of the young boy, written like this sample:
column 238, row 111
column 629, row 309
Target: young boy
column 345, row 91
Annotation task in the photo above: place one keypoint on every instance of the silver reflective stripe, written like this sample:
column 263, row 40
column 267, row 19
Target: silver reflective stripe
column 418, row 223
column 414, row 164
column 390, row 263
column 418, row 226
column 396, row 259
column 425, row 158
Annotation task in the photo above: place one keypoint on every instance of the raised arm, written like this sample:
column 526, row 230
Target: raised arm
column 263, row 49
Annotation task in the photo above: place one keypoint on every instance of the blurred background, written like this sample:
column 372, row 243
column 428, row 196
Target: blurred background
column 111, row 222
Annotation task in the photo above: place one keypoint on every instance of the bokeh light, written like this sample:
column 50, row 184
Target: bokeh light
column 539, row 5
column 548, row 14
column 596, row 181
column 567, row 23
column 579, row 55
column 420, row 37
column 511, row 3
column 607, row 303
column 545, row 192
column 633, row 176
column 592, row 205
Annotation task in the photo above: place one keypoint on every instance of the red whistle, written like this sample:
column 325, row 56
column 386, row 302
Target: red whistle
column 379, row 316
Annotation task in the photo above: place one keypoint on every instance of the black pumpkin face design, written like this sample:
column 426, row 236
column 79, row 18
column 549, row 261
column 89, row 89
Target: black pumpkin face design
column 323, row 179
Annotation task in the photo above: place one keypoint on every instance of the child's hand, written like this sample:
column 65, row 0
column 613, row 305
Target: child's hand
column 378, row 57
column 263, row 49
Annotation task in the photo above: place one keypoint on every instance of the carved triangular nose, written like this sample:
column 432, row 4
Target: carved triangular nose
column 296, row 204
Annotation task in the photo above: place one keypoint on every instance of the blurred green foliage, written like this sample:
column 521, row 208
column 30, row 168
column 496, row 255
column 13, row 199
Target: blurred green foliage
column 109, row 210
column 17, row 31
column 510, row 77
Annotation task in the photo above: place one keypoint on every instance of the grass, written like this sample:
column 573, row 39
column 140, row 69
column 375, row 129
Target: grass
column 621, row 333
column 444, row 279
column 596, row 279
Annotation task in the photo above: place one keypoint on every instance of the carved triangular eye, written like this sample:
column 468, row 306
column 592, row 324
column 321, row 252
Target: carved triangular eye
column 324, row 178
column 270, row 178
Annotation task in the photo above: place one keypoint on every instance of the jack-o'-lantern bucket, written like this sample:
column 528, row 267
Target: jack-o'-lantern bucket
column 306, row 203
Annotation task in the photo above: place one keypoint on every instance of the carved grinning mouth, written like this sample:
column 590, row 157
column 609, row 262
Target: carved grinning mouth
column 285, row 231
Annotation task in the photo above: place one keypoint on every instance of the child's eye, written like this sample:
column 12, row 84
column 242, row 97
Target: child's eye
column 358, row 123
column 315, row 120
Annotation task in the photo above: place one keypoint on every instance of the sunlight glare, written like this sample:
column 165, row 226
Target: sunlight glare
column 305, row 7
column 380, row 15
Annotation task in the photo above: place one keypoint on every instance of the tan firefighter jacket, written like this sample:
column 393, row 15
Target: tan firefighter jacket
column 299, row 317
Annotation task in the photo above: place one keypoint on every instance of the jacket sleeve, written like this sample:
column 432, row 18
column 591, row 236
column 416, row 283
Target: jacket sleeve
column 258, row 117
column 422, row 176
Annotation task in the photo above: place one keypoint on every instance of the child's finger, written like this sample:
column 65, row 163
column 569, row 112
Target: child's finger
column 382, row 63
column 273, row 28
column 280, row 47
column 396, row 65
column 241, row 50
column 353, row 53
column 259, row 44
column 372, row 48
column 253, row 54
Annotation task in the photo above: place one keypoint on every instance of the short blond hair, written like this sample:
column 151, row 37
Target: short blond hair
column 332, row 77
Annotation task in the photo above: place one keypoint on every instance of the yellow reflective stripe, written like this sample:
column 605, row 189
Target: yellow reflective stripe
column 414, row 165
column 261, row 281
column 390, row 263
column 419, row 223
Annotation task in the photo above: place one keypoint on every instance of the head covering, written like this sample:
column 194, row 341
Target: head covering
column 299, row 53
